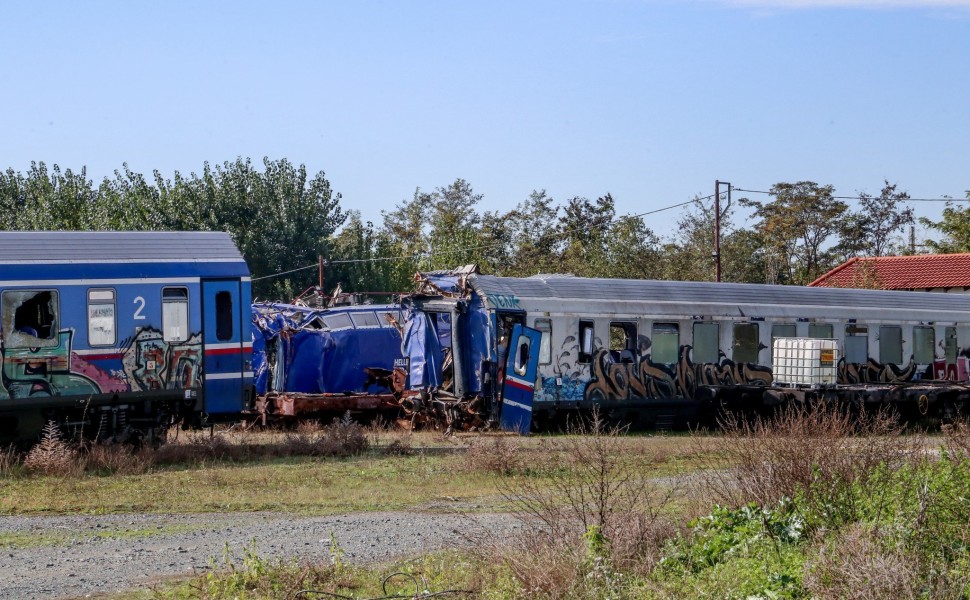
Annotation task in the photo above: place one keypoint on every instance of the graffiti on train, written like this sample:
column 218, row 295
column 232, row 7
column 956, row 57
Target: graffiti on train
column 611, row 380
column 872, row 371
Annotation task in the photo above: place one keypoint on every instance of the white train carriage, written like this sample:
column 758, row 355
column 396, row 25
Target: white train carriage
column 664, row 352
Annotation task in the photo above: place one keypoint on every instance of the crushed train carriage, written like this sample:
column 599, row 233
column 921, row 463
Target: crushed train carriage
column 326, row 361
column 121, row 334
column 667, row 353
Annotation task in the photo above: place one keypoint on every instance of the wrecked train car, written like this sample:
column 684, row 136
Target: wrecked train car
column 117, row 335
column 666, row 353
column 320, row 361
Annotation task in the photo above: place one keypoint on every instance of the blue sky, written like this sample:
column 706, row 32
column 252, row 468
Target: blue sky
column 649, row 100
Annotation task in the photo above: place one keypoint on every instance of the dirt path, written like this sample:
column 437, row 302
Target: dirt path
column 77, row 556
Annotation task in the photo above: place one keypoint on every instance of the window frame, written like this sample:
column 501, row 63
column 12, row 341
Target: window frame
column 735, row 347
column 831, row 328
column 918, row 346
column 855, row 335
column 882, row 330
column 8, row 332
column 114, row 304
column 629, row 339
column 653, row 336
column 544, row 327
column 188, row 312
column 223, row 318
column 701, row 357
column 585, row 356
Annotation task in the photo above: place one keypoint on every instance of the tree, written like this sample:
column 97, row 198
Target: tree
column 955, row 227
column 584, row 228
column 872, row 230
column 795, row 228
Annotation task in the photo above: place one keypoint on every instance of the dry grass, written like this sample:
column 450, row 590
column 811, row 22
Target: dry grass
column 495, row 453
column 798, row 450
column 590, row 515
column 866, row 563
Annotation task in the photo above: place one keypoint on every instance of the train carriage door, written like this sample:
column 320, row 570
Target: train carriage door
column 222, row 346
column 519, row 387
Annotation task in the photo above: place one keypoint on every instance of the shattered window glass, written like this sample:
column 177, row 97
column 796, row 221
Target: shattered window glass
column 30, row 318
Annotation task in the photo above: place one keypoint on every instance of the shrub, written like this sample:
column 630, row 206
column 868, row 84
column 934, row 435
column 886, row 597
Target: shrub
column 493, row 454
column 810, row 450
column 52, row 455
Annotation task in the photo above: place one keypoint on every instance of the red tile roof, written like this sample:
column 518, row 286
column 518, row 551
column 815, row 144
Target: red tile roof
column 920, row 271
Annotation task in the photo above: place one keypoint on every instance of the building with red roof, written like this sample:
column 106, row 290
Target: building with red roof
column 920, row 272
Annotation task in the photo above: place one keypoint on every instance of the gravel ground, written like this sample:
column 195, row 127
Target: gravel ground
column 80, row 556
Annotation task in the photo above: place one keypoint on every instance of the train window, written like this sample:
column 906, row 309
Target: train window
column 101, row 318
column 821, row 331
column 950, row 344
column 856, row 344
column 337, row 321
column 544, row 326
column 924, row 342
column 522, row 355
column 891, row 344
column 747, row 344
column 364, row 319
column 665, row 343
column 782, row 330
column 224, row 316
column 442, row 326
column 623, row 336
column 391, row 318
column 30, row 318
column 175, row 314
column 706, row 342
column 586, row 339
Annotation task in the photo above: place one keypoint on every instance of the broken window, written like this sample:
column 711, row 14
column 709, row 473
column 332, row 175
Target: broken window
column 747, row 343
column 30, row 318
column 101, row 318
column 175, row 314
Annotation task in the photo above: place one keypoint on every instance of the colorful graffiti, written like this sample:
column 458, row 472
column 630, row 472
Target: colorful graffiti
column 151, row 363
column 146, row 362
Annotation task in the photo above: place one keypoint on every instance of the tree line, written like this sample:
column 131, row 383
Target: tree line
column 283, row 218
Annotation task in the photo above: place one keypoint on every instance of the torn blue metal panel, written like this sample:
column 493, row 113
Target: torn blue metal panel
column 295, row 350
column 423, row 350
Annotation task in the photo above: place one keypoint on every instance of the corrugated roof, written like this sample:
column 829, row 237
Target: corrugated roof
column 21, row 247
column 579, row 288
column 921, row 271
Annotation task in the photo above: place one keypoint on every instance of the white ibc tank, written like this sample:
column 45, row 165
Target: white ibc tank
column 805, row 361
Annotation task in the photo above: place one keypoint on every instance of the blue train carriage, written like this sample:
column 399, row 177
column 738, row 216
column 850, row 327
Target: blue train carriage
column 666, row 353
column 115, row 335
column 326, row 361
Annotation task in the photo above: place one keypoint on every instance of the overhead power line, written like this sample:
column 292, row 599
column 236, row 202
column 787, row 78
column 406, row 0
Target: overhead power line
column 770, row 193
column 419, row 255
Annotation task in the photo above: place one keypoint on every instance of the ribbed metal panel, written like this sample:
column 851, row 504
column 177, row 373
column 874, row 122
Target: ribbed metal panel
column 101, row 246
column 577, row 288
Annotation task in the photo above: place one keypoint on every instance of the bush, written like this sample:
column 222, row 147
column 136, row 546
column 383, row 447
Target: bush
column 493, row 454
column 590, row 520
column 811, row 450
column 52, row 455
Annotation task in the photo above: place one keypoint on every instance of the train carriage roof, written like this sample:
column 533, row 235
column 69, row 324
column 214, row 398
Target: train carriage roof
column 72, row 254
column 543, row 289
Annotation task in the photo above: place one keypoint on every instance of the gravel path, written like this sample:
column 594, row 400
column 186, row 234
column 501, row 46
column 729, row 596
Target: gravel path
column 77, row 556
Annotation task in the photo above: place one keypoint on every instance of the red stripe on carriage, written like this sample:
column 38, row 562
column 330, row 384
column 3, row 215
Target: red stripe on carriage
column 220, row 351
column 518, row 384
column 106, row 356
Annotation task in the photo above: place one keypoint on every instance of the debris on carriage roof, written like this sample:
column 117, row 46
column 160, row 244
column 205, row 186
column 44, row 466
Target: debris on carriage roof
column 917, row 272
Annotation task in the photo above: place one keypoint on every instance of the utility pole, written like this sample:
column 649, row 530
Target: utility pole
column 717, row 224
